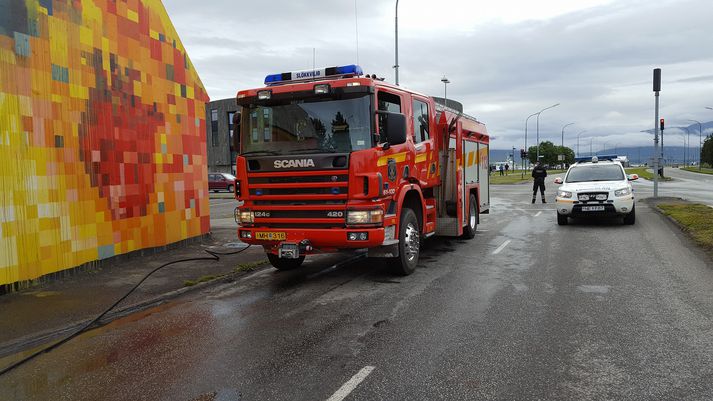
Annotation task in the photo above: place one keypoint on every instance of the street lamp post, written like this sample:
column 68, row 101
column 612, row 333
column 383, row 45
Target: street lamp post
column 538, row 128
column 579, row 154
column 565, row 126
column 700, row 141
column 590, row 146
column 396, row 44
column 523, row 161
column 445, row 89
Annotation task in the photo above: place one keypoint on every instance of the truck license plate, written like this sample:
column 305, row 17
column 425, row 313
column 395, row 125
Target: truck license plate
column 592, row 208
column 270, row 235
column 288, row 250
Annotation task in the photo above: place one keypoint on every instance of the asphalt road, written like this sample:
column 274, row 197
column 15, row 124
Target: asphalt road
column 527, row 310
column 685, row 184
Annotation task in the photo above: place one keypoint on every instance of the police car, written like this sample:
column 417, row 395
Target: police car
column 596, row 187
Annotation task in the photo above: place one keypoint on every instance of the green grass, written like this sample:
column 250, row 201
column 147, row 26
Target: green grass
column 190, row 283
column 696, row 218
column 704, row 170
column 515, row 177
column 643, row 172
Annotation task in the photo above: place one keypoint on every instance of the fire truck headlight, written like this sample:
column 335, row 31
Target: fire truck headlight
column 246, row 216
column 374, row 216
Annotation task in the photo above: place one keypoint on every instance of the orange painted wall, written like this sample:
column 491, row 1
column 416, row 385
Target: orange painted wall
column 102, row 134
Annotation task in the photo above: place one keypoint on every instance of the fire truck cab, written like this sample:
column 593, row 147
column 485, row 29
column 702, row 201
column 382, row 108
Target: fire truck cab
column 331, row 159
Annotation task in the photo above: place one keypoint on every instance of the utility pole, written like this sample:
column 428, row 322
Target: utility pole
column 657, row 89
column 700, row 141
column 396, row 47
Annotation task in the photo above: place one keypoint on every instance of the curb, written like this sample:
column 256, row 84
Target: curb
column 35, row 340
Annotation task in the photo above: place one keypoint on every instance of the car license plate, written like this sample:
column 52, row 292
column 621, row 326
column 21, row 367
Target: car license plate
column 270, row 235
column 592, row 208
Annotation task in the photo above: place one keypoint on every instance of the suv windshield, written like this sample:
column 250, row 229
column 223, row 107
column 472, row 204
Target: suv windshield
column 595, row 172
column 307, row 126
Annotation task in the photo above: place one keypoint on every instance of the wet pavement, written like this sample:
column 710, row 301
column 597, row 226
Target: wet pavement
column 527, row 310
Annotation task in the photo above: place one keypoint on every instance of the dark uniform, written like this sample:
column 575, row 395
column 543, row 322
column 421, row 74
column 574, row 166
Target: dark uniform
column 539, row 173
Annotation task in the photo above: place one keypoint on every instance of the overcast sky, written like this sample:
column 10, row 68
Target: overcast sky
column 506, row 59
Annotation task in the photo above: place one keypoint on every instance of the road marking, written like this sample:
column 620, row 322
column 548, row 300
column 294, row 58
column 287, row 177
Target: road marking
column 350, row 385
column 538, row 213
column 501, row 247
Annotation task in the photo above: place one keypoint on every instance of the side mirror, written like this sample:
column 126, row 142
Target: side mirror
column 392, row 127
column 558, row 180
column 632, row 177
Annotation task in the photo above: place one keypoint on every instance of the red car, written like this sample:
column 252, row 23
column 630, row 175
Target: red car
column 221, row 182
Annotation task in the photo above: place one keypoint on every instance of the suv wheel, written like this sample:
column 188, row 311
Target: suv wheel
column 562, row 219
column 630, row 218
column 229, row 188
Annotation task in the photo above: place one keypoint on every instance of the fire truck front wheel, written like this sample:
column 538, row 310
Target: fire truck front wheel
column 409, row 243
column 284, row 264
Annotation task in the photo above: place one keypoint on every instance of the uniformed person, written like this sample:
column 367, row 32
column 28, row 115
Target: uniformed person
column 539, row 173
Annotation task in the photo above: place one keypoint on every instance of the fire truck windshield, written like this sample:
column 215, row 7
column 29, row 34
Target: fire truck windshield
column 319, row 125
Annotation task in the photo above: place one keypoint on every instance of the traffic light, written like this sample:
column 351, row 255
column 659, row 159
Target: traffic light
column 522, row 153
column 661, row 124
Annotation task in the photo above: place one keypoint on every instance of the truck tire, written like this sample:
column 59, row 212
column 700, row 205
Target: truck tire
column 471, row 218
column 562, row 219
column 409, row 244
column 630, row 218
column 284, row 264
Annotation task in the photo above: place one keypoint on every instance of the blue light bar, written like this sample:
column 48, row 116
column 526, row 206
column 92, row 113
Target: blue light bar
column 344, row 70
column 599, row 157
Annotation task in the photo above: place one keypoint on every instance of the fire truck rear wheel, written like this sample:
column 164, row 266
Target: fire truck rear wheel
column 472, row 219
column 409, row 243
column 284, row 264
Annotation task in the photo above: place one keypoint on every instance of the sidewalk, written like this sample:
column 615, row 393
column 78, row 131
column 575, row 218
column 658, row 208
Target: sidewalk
column 38, row 315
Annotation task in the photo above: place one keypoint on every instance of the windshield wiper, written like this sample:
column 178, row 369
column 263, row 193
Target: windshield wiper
column 253, row 152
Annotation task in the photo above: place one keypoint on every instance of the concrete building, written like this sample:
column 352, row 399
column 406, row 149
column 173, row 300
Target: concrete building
column 221, row 154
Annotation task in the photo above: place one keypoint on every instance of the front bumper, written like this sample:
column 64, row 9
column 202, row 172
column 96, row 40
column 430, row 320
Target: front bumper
column 324, row 240
column 613, row 207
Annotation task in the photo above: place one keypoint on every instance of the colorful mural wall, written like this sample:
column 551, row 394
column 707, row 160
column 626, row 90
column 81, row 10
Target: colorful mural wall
column 102, row 134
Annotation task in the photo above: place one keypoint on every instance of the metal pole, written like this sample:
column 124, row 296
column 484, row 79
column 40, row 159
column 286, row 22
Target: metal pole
column 565, row 126
column 582, row 132
column 396, row 46
column 656, row 146
column 700, row 141
column 523, row 161
column 590, row 146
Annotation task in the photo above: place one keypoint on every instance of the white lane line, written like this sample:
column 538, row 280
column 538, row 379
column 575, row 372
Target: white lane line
column 350, row 385
column 538, row 213
column 501, row 247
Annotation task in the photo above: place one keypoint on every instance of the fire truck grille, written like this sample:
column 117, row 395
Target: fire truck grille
column 289, row 200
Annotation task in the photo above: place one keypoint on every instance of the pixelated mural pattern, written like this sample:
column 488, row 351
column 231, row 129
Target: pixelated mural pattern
column 102, row 144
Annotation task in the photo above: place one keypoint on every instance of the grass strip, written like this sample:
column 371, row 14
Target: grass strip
column 644, row 172
column 704, row 170
column 516, row 177
column 697, row 219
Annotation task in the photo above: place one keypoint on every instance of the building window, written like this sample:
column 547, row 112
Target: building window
column 214, row 127
column 420, row 121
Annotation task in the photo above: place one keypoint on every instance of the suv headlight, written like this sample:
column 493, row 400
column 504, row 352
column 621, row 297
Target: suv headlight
column 622, row 192
column 564, row 194
column 245, row 216
column 358, row 217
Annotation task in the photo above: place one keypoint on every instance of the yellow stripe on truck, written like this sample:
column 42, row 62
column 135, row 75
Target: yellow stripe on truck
column 398, row 158
column 421, row 158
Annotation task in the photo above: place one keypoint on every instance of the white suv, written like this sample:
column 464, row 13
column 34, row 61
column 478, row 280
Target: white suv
column 595, row 188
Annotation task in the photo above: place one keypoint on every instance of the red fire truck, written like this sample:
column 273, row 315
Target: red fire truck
column 332, row 159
